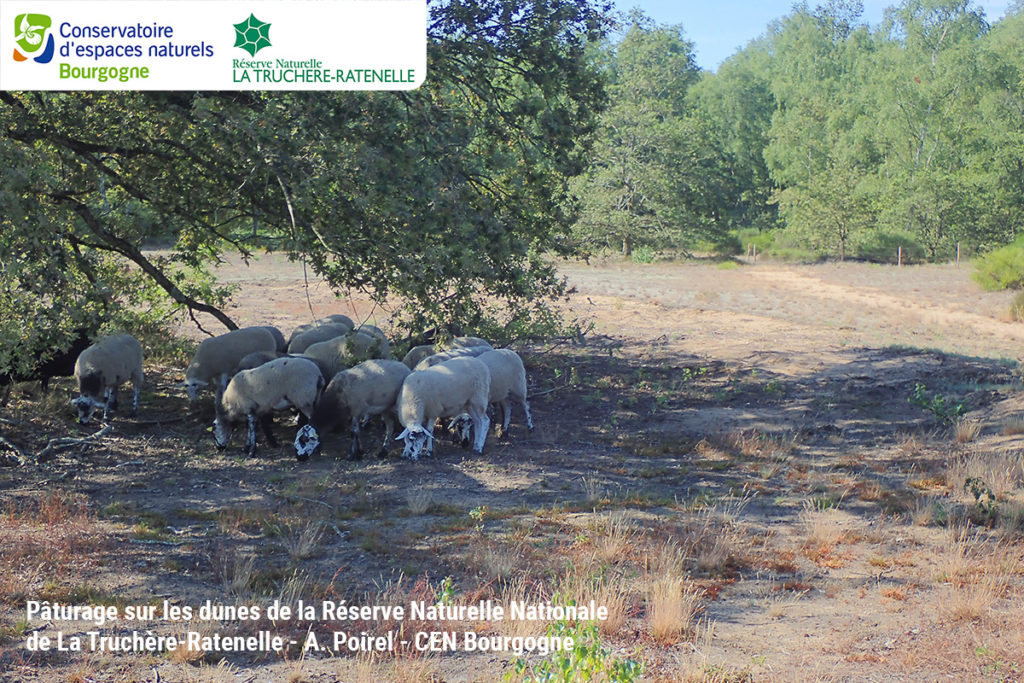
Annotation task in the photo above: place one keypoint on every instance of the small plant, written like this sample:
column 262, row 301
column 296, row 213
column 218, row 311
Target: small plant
column 587, row 660
column 643, row 254
column 478, row 514
column 936, row 403
column 446, row 592
column 984, row 499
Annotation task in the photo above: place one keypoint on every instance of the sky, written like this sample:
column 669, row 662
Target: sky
column 718, row 29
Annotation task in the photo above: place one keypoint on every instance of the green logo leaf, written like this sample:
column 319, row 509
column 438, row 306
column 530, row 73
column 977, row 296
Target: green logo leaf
column 29, row 31
column 252, row 35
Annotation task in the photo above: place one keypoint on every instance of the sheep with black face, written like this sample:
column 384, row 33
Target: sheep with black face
column 101, row 369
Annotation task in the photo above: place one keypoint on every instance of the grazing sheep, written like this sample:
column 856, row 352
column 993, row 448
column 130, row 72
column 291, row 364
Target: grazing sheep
column 465, row 342
column 341, row 353
column 254, row 360
column 337, row 318
column 60, row 364
column 442, row 356
column 457, row 386
column 301, row 341
column 217, row 357
column 508, row 383
column 279, row 339
column 418, row 353
column 255, row 394
column 101, row 369
column 368, row 389
column 371, row 330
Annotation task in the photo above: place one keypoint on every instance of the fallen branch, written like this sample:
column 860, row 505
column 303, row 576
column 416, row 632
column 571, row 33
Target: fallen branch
column 11, row 460
column 62, row 443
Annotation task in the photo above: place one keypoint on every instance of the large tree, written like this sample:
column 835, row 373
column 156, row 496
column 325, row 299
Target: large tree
column 445, row 197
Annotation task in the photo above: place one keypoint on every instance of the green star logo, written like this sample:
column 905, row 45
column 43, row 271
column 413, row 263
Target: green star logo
column 252, row 35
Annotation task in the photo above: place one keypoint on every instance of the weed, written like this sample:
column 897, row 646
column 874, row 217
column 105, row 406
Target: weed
column 586, row 660
column 937, row 404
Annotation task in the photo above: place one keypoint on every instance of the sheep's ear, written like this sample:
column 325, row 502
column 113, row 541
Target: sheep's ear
column 402, row 435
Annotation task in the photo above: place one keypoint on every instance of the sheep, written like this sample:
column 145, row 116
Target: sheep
column 255, row 394
column 418, row 353
column 508, row 383
column 258, row 358
column 218, row 356
column 457, row 386
column 342, row 353
column 442, row 356
column 337, row 318
column 301, row 341
column 465, row 342
column 279, row 339
column 60, row 364
column 371, row 330
column 368, row 389
column 101, row 369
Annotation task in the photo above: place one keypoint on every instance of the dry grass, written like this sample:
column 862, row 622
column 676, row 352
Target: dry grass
column 971, row 601
column 966, row 430
column 520, row 590
column 822, row 528
column 1013, row 426
column 672, row 607
column 909, row 444
column 236, row 572
column 922, row 513
column 419, row 501
column 1001, row 472
column 593, row 490
column 302, row 541
column 614, row 537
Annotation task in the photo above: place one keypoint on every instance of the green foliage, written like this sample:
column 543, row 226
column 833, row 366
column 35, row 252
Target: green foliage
column 1001, row 268
column 446, row 197
column 984, row 499
column 936, row 403
column 588, row 660
column 643, row 254
column 884, row 247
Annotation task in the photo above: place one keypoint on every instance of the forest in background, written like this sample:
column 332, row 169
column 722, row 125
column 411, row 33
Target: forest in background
column 824, row 137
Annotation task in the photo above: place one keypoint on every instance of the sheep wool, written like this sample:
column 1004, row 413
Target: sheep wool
column 101, row 369
column 366, row 390
column 457, row 386
column 217, row 357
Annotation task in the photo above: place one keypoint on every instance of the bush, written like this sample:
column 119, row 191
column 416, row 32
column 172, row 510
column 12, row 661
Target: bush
column 1017, row 307
column 883, row 247
column 643, row 254
column 1002, row 268
column 764, row 240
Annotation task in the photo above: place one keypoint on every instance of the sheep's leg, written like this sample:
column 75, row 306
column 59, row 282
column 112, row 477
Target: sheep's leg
column 389, row 429
column 506, row 418
column 355, row 451
column 113, row 396
column 430, row 440
column 109, row 401
column 267, row 424
column 7, row 394
column 481, row 423
column 529, row 417
column 136, row 389
column 250, row 444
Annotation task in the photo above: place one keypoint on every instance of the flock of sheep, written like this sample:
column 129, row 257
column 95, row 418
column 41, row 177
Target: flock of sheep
column 333, row 372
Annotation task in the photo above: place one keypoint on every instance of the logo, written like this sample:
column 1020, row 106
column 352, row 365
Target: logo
column 252, row 35
column 32, row 34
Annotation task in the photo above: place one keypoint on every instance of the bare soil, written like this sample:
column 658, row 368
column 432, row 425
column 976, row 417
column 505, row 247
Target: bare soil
column 789, row 442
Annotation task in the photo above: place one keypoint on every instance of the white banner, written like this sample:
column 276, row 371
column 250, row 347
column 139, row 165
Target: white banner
column 213, row 44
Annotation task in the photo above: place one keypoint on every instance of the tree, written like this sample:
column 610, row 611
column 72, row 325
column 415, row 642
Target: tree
column 655, row 172
column 444, row 196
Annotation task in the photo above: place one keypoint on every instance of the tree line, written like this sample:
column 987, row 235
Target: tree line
column 825, row 137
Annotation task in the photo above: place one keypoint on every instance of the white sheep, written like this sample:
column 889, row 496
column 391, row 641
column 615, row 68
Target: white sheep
column 508, row 383
column 257, row 393
column 217, row 357
column 279, row 339
column 464, row 342
column 101, row 369
column 337, row 318
column 341, row 353
column 418, row 353
column 442, row 356
column 460, row 385
column 302, row 340
column 359, row 393
column 371, row 330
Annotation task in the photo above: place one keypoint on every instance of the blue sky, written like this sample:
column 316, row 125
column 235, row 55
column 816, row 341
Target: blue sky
column 718, row 29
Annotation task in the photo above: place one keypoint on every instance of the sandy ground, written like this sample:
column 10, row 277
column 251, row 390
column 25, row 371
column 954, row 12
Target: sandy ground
column 788, row 434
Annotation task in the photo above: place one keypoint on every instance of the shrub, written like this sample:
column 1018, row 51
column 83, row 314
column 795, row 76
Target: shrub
column 1017, row 307
column 643, row 254
column 1002, row 268
column 884, row 247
